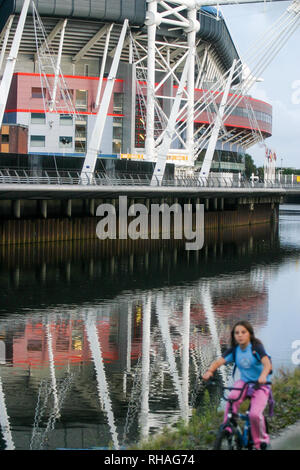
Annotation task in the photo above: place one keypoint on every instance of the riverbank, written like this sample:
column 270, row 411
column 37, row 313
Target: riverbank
column 199, row 433
column 289, row 439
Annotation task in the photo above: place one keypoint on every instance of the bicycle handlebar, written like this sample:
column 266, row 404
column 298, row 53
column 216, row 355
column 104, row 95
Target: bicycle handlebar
column 256, row 387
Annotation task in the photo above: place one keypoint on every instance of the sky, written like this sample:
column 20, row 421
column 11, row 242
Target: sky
column 281, row 79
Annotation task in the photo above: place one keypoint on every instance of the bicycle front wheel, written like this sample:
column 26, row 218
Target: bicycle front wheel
column 227, row 441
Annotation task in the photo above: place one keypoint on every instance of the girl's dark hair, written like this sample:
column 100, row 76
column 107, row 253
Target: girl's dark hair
column 248, row 327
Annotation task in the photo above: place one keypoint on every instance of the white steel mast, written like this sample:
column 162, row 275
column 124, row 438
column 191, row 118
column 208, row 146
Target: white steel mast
column 180, row 14
column 12, row 59
column 217, row 126
column 97, row 133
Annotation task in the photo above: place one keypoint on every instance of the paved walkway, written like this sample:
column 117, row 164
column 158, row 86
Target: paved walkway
column 289, row 439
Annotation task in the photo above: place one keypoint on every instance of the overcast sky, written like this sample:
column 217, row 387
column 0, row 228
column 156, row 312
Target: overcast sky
column 281, row 85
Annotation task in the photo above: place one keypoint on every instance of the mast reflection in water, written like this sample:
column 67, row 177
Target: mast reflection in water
column 101, row 344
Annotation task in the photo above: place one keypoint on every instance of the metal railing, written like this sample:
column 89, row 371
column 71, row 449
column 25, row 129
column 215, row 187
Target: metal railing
column 52, row 177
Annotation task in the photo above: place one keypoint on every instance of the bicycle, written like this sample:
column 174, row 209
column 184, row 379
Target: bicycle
column 230, row 436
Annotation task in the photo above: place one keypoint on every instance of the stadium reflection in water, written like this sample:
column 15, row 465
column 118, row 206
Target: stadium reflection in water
column 101, row 344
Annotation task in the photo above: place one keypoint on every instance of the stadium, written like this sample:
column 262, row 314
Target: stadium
column 64, row 69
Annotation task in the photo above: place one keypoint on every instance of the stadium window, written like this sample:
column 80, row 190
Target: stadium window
column 118, row 103
column 117, row 135
column 81, row 100
column 65, row 120
column 37, row 92
column 65, row 142
column 37, row 141
column 38, row 118
column 80, row 133
column 80, row 146
column 34, row 345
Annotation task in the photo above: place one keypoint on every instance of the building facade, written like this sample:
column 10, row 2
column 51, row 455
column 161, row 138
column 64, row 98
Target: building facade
column 59, row 128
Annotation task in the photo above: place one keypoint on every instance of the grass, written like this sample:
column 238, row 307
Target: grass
column 200, row 432
column 287, row 397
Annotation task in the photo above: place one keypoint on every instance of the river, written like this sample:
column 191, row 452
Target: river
column 101, row 344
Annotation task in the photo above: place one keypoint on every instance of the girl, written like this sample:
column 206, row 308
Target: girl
column 254, row 365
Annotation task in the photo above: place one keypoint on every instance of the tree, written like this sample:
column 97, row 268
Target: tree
column 290, row 171
column 250, row 166
column 261, row 173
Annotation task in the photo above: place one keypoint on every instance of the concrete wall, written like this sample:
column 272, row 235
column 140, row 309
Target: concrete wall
column 33, row 221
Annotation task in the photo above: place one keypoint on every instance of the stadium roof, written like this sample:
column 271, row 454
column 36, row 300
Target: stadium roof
column 98, row 12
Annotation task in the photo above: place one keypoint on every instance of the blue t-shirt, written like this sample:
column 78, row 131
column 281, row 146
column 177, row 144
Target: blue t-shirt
column 249, row 366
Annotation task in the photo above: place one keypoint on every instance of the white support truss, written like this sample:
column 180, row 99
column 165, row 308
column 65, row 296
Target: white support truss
column 11, row 60
column 6, row 31
column 193, row 27
column 104, row 58
column 97, row 133
column 48, row 40
column 182, row 15
column 259, row 56
column 58, row 63
column 164, row 147
column 255, row 129
column 158, row 57
column 151, row 22
column 216, row 129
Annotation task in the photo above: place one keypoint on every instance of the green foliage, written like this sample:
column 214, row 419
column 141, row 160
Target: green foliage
column 250, row 166
column 290, row 171
column 287, row 398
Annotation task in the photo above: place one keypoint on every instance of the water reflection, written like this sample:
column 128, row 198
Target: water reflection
column 101, row 344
